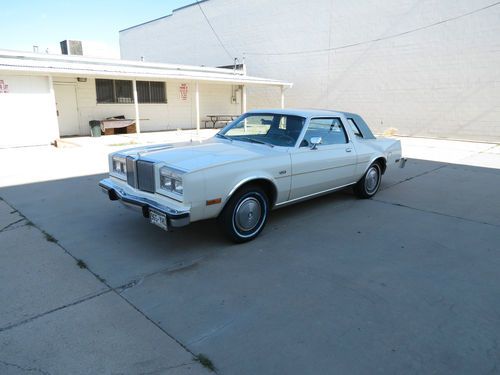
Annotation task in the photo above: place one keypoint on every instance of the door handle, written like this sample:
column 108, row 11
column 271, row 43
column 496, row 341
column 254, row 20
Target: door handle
column 348, row 149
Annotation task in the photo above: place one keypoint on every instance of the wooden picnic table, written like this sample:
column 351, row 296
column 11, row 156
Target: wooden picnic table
column 220, row 118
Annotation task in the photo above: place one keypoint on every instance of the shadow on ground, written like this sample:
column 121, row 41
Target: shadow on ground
column 406, row 282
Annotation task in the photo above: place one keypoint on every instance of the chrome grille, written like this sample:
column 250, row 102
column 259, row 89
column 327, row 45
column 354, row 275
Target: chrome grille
column 145, row 175
column 131, row 180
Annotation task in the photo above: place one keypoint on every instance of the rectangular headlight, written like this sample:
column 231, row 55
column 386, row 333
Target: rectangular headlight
column 119, row 166
column 171, row 181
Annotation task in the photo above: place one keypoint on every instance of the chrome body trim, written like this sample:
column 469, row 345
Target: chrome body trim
column 244, row 181
column 305, row 197
column 175, row 217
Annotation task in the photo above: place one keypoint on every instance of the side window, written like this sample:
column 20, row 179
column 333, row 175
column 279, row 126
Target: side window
column 354, row 128
column 330, row 130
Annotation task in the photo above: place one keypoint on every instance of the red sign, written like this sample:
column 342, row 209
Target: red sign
column 4, row 88
column 183, row 91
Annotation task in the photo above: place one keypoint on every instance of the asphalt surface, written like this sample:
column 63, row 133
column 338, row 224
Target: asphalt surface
column 406, row 282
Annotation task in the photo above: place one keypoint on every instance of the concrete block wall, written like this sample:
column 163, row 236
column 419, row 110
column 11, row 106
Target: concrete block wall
column 364, row 56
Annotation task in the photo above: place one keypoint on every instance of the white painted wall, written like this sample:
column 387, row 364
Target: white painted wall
column 27, row 111
column 175, row 114
column 442, row 81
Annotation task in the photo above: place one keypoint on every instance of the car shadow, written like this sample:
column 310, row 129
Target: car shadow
column 120, row 245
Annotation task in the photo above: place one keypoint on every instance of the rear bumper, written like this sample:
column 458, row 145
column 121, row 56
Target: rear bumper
column 402, row 162
column 175, row 218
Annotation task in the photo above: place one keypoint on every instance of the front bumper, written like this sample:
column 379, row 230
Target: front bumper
column 175, row 218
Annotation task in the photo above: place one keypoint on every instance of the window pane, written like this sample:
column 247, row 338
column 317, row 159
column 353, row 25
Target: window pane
column 354, row 127
column 124, row 92
column 278, row 130
column 330, row 130
column 158, row 92
column 104, row 90
column 143, row 92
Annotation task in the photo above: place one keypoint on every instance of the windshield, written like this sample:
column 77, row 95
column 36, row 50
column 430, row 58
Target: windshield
column 272, row 129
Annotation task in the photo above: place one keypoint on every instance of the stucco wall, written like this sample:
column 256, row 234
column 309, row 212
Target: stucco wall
column 27, row 111
column 441, row 81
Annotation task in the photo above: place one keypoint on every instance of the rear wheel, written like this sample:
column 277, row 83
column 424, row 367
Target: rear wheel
column 368, row 186
column 246, row 213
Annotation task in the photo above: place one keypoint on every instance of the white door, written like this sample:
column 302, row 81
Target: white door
column 67, row 109
column 332, row 164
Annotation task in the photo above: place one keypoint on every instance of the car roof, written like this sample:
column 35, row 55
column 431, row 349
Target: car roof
column 301, row 112
column 308, row 113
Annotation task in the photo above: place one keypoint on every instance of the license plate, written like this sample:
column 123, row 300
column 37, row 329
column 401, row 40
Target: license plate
column 158, row 218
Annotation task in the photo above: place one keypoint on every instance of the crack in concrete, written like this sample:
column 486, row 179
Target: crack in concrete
column 26, row 369
column 177, row 267
column 436, row 213
column 11, row 224
column 167, row 368
column 413, row 177
column 110, row 289
column 88, row 298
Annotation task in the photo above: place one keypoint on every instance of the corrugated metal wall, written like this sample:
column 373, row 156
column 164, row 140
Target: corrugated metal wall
column 423, row 68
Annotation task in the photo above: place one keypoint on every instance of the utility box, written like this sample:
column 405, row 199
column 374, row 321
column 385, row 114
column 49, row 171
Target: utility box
column 71, row 47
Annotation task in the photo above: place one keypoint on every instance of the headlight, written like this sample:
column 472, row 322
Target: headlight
column 171, row 181
column 119, row 166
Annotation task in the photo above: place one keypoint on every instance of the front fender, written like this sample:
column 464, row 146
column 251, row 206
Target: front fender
column 223, row 182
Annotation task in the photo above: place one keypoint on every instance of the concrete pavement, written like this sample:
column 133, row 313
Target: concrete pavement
column 406, row 282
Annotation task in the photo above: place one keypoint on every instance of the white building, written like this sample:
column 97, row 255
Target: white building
column 425, row 68
column 44, row 97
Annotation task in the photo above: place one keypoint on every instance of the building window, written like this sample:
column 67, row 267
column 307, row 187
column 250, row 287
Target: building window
column 151, row 92
column 121, row 91
column 105, row 90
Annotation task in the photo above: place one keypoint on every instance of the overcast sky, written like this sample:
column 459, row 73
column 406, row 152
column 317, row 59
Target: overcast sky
column 45, row 23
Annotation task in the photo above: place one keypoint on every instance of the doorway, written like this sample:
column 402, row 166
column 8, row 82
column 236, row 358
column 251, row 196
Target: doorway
column 67, row 109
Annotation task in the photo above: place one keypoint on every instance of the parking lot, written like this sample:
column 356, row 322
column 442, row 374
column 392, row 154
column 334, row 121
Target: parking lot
column 404, row 283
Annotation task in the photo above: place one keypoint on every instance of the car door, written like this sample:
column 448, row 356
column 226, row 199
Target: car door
column 329, row 165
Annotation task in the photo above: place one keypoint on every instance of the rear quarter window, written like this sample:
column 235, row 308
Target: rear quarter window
column 354, row 128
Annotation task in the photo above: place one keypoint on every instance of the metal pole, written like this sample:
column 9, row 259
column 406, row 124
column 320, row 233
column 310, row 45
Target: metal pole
column 57, row 133
column 243, row 99
column 136, row 105
column 197, row 103
column 282, row 97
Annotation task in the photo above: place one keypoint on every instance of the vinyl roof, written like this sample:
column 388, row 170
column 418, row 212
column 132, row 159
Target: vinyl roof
column 27, row 62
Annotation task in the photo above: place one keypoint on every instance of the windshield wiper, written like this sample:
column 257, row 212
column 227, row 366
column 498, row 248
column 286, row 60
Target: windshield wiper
column 223, row 136
column 256, row 141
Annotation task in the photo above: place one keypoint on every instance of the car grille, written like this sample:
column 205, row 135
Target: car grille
column 145, row 176
column 141, row 174
column 131, row 171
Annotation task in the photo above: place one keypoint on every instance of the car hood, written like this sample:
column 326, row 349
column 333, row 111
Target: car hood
column 193, row 156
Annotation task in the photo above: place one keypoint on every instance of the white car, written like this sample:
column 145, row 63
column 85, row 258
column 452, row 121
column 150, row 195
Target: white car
column 263, row 160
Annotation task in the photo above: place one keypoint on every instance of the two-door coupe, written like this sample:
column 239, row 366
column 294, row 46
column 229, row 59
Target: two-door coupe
column 263, row 160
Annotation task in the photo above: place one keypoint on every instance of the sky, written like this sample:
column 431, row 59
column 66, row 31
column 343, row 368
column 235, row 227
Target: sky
column 47, row 22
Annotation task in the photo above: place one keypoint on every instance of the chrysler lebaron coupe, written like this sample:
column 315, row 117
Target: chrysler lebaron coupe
column 263, row 160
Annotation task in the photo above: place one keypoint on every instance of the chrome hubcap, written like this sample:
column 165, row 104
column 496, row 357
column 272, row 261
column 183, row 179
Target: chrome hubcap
column 371, row 179
column 248, row 214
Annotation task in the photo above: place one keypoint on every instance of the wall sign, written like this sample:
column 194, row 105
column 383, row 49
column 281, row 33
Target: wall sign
column 183, row 91
column 4, row 88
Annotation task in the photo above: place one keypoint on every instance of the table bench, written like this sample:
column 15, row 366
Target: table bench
column 223, row 119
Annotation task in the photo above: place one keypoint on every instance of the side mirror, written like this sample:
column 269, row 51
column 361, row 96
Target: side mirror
column 315, row 141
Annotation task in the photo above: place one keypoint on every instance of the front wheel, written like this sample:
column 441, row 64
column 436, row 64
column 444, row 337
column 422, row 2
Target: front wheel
column 368, row 186
column 246, row 213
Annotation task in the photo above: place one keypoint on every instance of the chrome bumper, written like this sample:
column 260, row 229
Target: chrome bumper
column 402, row 162
column 175, row 218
